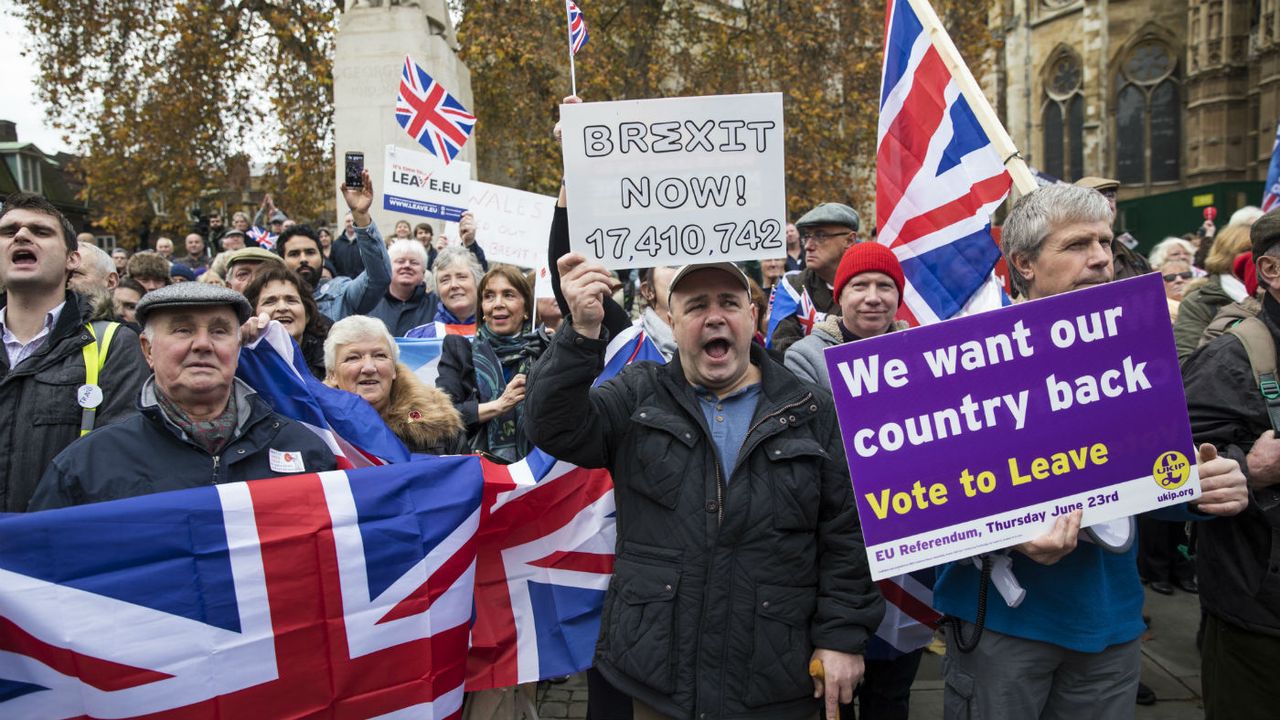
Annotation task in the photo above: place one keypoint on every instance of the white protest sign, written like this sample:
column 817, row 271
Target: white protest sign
column 513, row 226
column 674, row 181
column 419, row 183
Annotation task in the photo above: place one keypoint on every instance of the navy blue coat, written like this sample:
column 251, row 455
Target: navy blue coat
column 147, row 453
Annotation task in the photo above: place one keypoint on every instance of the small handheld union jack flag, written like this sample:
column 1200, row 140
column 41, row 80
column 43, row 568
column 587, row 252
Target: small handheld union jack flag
column 263, row 237
column 577, row 28
column 431, row 116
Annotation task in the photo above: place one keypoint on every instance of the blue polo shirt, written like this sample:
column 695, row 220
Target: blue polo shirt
column 729, row 418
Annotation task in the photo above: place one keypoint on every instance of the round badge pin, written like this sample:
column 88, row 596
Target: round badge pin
column 89, row 396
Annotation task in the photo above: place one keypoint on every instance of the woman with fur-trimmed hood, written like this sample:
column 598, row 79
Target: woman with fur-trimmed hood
column 361, row 357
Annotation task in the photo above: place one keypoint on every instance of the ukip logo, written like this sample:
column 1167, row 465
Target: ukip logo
column 1171, row 470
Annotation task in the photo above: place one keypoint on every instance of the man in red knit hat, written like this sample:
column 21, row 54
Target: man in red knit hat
column 868, row 290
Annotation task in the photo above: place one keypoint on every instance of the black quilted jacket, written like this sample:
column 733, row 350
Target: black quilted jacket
column 720, row 590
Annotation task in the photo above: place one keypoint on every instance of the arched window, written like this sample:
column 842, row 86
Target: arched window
column 1062, row 117
column 1148, row 116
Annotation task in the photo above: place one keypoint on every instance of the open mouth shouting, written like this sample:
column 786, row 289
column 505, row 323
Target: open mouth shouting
column 717, row 349
column 23, row 257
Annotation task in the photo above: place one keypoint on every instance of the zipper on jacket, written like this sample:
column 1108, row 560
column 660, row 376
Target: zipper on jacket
column 216, row 460
column 765, row 419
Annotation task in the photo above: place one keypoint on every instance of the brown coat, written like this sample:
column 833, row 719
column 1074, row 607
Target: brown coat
column 423, row 416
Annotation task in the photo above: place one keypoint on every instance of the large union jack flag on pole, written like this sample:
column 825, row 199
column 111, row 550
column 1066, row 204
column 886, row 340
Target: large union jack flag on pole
column 431, row 116
column 342, row 595
column 939, row 176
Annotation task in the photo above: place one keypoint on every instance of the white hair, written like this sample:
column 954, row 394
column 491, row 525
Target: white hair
column 458, row 255
column 94, row 256
column 408, row 247
column 355, row 328
column 1037, row 214
column 1246, row 215
column 1159, row 254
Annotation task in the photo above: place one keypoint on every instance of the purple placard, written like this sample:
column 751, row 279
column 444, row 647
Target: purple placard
column 961, row 409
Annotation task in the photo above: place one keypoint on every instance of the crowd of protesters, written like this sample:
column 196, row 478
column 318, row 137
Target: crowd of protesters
column 731, row 415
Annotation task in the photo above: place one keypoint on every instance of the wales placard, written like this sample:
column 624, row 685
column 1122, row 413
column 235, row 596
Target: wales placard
column 975, row 434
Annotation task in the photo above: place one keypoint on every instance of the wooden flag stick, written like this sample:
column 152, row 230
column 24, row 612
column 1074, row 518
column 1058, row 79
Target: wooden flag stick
column 1023, row 180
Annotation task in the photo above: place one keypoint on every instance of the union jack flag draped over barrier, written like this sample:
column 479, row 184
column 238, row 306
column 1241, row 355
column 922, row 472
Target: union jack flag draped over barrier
column 938, row 179
column 431, row 116
column 343, row 594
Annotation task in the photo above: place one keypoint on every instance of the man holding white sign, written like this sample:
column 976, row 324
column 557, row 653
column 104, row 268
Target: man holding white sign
column 1071, row 648
column 739, row 561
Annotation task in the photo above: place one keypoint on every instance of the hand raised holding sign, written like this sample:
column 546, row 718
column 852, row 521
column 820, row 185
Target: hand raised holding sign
column 1222, row 484
column 559, row 131
column 584, row 285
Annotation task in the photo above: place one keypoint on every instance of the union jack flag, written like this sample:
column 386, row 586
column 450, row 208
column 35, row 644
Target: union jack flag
column 545, row 556
column 343, row 594
column 938, row 178
column 273, row 365
column 264, row 238
column 431, row 116
column 544, row 559
column 785, row 301
column 577, row 27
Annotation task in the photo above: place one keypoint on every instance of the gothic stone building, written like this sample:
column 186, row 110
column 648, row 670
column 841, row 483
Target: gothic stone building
column 1177, row 99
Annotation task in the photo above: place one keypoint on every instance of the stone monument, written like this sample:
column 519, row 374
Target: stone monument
column 373, row 38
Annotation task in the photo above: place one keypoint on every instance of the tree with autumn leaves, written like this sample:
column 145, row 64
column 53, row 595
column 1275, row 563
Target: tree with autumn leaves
column 166, row 95
column 823, row 55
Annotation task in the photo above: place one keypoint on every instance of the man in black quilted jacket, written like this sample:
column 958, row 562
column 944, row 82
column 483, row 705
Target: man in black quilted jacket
column 739, row 555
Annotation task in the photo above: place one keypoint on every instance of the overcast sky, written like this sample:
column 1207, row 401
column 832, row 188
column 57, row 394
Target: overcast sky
column 17, row 86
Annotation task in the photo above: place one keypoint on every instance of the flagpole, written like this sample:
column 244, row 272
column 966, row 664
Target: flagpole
column 568, row 29
column 1023, row 180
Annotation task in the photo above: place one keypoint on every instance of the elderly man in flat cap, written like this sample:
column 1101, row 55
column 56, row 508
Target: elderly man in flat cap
column 198, row 424
column 825, row 233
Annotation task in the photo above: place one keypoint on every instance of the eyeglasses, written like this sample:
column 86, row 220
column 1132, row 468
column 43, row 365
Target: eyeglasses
column 822, row 237
column 1186, row 275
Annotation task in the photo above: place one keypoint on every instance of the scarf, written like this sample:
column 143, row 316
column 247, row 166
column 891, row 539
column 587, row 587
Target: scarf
column 443, row 315
column 659, row 332
column 497, row 358
column 212, row 435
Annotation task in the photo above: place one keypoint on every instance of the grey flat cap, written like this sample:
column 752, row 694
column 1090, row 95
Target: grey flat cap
column 278, row 216
column 830, row 214
column 1265, row 233
column 192, row 294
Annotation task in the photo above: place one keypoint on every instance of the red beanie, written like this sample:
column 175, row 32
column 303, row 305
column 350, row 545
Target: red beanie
column 1244, row 270
column 868, row 256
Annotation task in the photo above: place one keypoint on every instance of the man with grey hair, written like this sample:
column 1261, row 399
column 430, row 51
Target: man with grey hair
column 61, row 373
column 197, row 423
column 96, row 279
column 1071, row 648
column 96, row 271
column 1236, row 558
column 408, row 302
